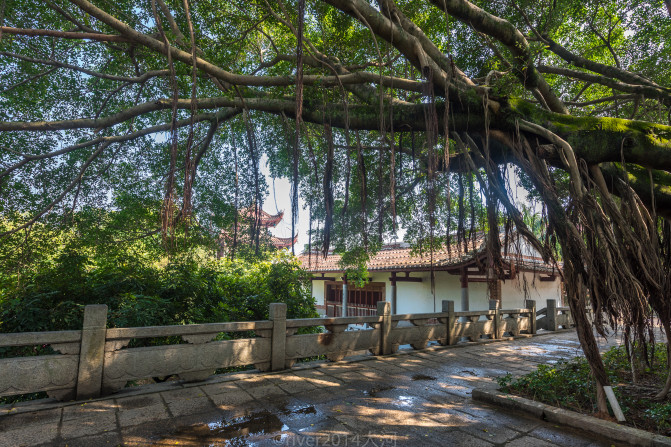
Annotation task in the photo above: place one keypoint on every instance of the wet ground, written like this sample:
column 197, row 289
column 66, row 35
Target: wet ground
column 414, row 398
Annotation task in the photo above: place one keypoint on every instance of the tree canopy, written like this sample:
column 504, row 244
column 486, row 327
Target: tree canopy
column 408, row 113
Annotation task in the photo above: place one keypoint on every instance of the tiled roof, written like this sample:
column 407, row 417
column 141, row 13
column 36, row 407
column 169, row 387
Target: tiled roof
column 265, row 219
column 396, row 257
column 283, row 242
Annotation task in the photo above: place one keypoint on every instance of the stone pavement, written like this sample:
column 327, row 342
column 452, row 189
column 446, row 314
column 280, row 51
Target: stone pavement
column 412, row 398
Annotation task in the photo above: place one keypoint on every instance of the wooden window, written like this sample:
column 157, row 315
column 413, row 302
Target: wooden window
column 361, row 301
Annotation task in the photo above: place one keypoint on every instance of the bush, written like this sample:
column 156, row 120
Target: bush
column 566, row 384
column 182, row 291
column 660, row 414
column 570, row 385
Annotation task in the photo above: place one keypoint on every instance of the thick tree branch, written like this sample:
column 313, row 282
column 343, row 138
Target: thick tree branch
column 594, row 139
column 639, row 180
column 602, row 100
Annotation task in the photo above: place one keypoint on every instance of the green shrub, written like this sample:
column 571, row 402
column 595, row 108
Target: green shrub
column 569, row 384
column 660, row 413
column 184, row 290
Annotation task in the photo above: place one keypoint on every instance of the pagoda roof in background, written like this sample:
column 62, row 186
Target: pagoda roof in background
column 266, row 220
column 283, row 242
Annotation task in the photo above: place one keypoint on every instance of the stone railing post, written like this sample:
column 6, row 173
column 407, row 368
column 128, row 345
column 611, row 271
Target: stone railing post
column 384, row 311
column 531, row 304
column 495, row 305
column 278, row 340
column 450, row 337
column 92, row 352
column 552, row 315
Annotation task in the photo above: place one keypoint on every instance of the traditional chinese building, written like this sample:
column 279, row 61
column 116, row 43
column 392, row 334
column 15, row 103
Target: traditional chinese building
column 417, row 283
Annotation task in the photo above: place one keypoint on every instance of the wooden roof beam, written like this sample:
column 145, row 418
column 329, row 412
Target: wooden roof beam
column 406, row 278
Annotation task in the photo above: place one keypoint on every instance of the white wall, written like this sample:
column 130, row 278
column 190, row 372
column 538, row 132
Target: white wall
column 527, row 285
column 318, row 294
column 414, row 297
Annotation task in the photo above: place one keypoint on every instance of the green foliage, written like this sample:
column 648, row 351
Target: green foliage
column 353, row 262
column 183, row 291
column 566, row 384
column 660, row 413
column 569, row 384
column 140, row 310
column 50, row 276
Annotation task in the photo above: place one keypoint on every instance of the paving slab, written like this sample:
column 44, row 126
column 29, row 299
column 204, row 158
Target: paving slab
column 412, row 398
column 89, row 425
column 232, row 399
column 21, row 420
column 29, row 435
column 137, row 410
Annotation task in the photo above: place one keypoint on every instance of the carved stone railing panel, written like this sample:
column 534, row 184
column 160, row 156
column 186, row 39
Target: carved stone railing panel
column 198, row 339
column 188, row 360
column 474, row 329
column 564, row 318
column 56, row 374
column 334, row 345
column 418, row 335
column 516, row 321
column 555, row 318
column 510, row 325
column 23, row 375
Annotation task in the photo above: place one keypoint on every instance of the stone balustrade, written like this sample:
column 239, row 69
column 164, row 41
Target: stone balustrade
column 553, row 318
column 96, row 360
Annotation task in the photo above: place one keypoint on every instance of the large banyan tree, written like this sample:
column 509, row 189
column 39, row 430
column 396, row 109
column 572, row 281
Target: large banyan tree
column 442, row 117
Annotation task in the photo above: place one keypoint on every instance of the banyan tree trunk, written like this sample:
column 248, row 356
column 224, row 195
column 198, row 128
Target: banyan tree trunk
column 591, row 350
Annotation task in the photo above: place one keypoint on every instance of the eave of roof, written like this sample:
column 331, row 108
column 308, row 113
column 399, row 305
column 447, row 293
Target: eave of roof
column 400, row 258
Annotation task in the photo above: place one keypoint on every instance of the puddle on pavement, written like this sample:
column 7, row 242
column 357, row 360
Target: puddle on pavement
column 399, row 401
column 241, row 431
column 422, row 377
column 546, row 349
column 536, row 351
column 403, row 401
column 373, row 392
